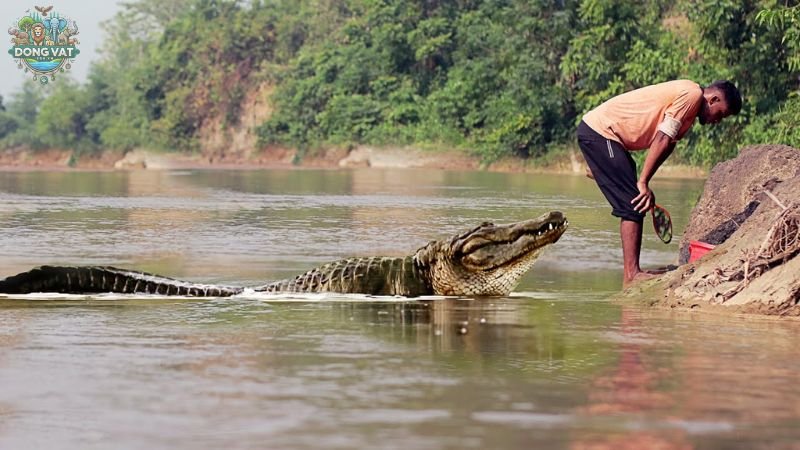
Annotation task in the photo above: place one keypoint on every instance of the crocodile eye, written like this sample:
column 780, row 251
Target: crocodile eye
column 474, row 244
column 482, row 259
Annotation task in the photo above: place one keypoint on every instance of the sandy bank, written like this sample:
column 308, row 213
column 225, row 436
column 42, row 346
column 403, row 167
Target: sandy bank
column 750, row 208
column 276, row 157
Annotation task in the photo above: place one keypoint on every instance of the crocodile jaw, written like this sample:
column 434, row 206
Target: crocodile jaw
column 491, row 259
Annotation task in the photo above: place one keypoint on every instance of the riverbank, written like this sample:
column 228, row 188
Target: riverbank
column 567, row 162
column 749, row 211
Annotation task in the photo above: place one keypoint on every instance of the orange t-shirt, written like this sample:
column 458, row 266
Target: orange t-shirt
column 634, row 118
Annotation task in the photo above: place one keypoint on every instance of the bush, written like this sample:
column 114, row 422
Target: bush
column 497, row 77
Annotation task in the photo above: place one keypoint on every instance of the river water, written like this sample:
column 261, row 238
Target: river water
column 555, row 365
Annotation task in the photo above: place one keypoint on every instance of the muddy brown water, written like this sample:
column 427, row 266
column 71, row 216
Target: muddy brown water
column 555, row 365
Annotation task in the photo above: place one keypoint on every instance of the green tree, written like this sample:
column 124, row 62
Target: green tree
column 493, row 77
column 21, row 114
column 782, row 124
column 63, row 115
column 620, row 46
column 787, row 20
column 481, row 75
column 732, row 43
column 7, row 123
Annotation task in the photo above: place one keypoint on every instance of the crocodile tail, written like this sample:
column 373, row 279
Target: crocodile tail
column 93, row 279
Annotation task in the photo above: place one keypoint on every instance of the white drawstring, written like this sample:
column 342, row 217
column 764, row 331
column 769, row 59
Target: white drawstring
column 610, row 150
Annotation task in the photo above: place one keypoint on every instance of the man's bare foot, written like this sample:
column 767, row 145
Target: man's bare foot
column 639, row 277
column 589, row 173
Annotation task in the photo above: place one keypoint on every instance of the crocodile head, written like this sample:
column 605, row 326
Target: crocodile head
column 489, row 259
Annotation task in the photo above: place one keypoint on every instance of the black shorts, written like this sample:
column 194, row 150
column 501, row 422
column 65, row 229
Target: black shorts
column 614, row 171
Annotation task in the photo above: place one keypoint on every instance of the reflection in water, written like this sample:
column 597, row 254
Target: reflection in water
column 630, row 386
column 554, row 365
column 481, row 328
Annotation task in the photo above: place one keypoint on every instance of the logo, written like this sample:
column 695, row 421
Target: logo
column 44, row 43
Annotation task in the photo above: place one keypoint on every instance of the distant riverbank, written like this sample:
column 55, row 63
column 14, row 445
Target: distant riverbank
column 568, row 162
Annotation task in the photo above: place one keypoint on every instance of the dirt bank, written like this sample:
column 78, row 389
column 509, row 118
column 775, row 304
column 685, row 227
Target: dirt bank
column 751, row 205
column 733, row 191
column 278, row 157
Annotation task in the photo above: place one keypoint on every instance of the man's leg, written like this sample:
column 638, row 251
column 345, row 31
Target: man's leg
column 614, row 170
column 631, row 233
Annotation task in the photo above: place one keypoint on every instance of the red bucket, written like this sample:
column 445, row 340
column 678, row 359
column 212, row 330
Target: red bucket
column 698, row 249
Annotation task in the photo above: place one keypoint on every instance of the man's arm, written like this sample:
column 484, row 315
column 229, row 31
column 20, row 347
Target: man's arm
column 660, row 150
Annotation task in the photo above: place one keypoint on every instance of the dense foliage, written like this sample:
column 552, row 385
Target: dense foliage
column 495, row 77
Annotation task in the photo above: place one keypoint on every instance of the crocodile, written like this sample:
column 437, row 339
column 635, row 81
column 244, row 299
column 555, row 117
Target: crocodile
column 487, row 260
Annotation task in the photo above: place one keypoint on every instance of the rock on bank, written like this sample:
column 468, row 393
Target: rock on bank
column 755, row 268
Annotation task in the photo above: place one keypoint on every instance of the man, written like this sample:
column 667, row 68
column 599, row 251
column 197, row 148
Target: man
column 653, row 117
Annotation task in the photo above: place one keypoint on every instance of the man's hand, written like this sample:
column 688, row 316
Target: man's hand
column 645, row 200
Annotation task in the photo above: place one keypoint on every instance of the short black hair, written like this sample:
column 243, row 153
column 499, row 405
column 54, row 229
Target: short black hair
column 733, row 98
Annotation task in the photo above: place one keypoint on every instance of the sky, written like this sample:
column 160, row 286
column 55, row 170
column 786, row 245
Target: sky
column 88, row 14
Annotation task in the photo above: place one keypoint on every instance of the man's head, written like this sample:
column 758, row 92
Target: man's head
column 721, row 99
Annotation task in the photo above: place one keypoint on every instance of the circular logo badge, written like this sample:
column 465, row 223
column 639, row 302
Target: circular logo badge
column 44, row 42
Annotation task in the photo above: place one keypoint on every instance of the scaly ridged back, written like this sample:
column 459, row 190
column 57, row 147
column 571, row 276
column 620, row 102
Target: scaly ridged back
column 86, row 280
column 373, row 276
